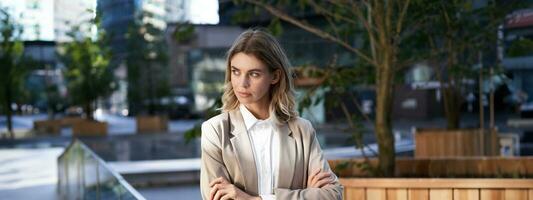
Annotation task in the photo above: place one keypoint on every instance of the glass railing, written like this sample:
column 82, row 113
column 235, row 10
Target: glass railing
column 84, row 175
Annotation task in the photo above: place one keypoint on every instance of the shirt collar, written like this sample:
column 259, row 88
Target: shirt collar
column 249, row 118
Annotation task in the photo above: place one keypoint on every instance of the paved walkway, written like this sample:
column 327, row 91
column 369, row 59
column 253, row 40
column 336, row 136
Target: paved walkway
column 28, row 173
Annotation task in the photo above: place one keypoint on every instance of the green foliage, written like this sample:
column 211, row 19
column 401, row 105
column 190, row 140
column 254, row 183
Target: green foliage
column 193, row 133
column 11, row 50
column 88, row 74
column 13, row 66
column 275, row 27
column 146, row 59
column 520, row 47
column 242, row 15
column 196, row 131
column 183, row 32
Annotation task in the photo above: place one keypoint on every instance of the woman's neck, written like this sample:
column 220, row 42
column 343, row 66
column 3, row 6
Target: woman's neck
column 259, row 111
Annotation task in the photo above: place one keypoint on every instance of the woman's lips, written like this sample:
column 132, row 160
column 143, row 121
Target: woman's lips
column 244, row 94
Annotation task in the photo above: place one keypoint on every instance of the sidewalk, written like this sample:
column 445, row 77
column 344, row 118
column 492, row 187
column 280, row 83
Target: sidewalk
column 29, row 173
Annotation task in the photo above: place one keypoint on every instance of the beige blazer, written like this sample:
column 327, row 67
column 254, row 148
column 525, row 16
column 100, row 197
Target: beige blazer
column 227, row 152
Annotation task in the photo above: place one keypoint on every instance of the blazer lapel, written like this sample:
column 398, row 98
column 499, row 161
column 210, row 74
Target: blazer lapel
column 287, row 156
column 243, row 151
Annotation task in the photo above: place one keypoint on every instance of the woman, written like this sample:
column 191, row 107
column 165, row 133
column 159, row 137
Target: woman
column 258, row 148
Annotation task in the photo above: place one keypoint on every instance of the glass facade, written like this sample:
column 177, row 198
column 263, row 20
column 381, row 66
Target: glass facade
column 117, row 15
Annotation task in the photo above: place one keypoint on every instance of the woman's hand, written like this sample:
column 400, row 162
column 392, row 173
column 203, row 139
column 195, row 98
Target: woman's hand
column 319, row 179
column 222, row 189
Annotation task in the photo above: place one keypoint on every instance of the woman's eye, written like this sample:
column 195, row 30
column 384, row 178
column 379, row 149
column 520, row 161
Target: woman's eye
column 254, row 74
column 234, row 72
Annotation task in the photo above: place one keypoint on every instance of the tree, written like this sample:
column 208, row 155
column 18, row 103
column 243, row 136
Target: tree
column 11, row 64
column 88, row 74
column 455, row 33
column 148, row 79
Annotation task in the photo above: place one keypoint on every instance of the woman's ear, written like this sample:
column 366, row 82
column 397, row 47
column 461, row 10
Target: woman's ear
column 276, row 76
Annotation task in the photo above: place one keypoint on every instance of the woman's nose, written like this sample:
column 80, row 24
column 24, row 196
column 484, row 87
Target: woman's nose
column 245, row 82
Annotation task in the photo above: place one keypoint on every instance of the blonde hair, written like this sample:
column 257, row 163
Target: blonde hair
column 267, row 49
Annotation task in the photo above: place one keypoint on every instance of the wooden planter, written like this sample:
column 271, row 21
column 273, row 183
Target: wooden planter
column 152, row 124
column 47, row 127
column 54, row 126
column 70, row 121
column 433, row 189
column 455, row 143
column 89, row 128
column 365, row 188
column 444, row 167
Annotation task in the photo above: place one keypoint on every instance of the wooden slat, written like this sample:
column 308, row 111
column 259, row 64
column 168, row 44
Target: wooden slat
column 516, row 194
column 530, row 194
column 475, row 143
column 377, row 194
column 466, row 194
column 354, row 193
column 421, row 147
column 492, row 194
column 396, row 194
column 463, row 183
column 469, row 149
column 441, row 194
column 418, row 194
column 439, row 150
column 453, row 143
column 459, row 148
column 528, row 165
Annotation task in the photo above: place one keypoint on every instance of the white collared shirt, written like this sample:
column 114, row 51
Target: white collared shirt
column 265, row 147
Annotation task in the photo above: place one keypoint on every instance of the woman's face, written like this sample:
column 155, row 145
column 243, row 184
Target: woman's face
column 251, row 79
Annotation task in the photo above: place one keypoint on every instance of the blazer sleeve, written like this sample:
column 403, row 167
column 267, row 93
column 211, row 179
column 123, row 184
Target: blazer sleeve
column 316, row 160
column 212, row 165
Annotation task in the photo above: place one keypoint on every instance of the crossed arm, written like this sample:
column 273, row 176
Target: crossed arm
column 216, row 182
column 222, row 189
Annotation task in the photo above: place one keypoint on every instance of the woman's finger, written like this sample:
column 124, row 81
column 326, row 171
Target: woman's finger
column 218, row 180
column 322, row 175
column 220, row 193
column 224, row 180
column 316, row 171
column 215, row 181
column 229, row 192
column 310, row 176
column 323, row 182
column 214, row 190
column 314, row 174
column 226, row 197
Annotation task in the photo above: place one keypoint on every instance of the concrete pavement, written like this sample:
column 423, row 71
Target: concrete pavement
column 29, row 173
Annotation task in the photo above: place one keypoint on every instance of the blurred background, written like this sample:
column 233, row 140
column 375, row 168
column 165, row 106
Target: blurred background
column 101, row 98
